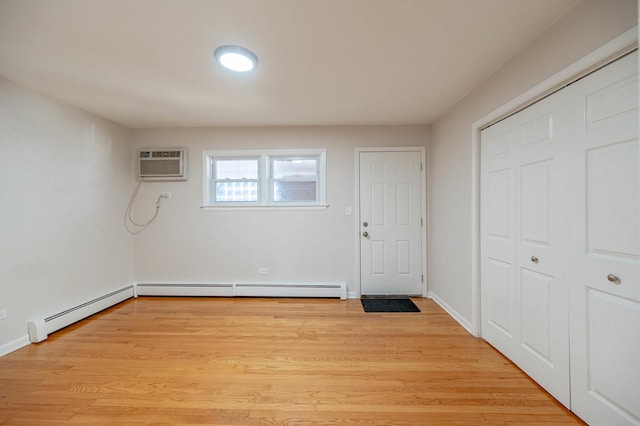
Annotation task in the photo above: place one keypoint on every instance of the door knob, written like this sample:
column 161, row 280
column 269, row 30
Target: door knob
column 365, row 234
column 365, row 224
column 534, row 259
column 612, row 278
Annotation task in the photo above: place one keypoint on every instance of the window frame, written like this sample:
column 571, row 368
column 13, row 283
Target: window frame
column 265, row 199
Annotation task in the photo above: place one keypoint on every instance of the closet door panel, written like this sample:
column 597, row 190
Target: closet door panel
column 535, row 181
column 611, row 379
column 498, row 264
column 541, row 248
column 524, row 281
column 536, row 315
column 605, row 246
column 612, row 209
column 499, row 291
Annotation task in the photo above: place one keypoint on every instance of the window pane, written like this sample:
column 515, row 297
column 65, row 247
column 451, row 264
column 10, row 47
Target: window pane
column 236, row 169
column 236, row 191
column 294, row 191
column 290, row 168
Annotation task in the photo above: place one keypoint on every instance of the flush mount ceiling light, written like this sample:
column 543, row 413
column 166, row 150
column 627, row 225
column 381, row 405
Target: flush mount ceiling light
column 236, row 58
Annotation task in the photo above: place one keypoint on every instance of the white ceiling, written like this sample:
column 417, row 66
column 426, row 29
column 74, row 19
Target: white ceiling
column 149, row 63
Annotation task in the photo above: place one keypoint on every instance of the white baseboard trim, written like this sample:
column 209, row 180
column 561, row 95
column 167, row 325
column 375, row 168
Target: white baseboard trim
column 14, row 345
column 244, row 289
column 454, row 314
column 353, row 295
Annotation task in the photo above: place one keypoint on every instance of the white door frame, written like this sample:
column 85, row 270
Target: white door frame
column 356, row 211
column 607, row 53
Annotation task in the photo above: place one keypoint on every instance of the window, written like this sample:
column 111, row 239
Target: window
column 282, row 178
column 294, row 179
column 235, row 180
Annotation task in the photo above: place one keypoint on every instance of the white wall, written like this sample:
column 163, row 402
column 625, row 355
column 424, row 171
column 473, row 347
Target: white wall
column 588, row 26
column 64, row 183
column 188, row 245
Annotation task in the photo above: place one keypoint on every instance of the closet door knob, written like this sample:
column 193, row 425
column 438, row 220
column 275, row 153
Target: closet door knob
column 365, row 234
column 612, row 278
column 534, row 259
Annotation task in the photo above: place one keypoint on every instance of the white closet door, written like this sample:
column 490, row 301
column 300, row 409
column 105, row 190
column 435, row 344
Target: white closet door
column 524, row 238
column 605, row 213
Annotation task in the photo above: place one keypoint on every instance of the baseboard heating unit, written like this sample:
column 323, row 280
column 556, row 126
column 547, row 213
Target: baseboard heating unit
column 338, row 290
column 39, row 329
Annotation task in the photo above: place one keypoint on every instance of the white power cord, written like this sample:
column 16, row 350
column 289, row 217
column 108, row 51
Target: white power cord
column 127, row 214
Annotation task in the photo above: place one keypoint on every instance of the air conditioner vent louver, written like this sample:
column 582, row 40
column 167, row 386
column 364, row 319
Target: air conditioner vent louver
column 165, row 154
column 160, row 168
column 159, row 164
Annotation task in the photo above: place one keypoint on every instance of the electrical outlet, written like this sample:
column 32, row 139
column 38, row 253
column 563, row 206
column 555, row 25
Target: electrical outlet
column 348, row 211
column 3, row 313
column 263, row 271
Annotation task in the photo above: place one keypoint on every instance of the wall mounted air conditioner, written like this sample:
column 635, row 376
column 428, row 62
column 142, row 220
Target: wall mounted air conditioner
column 162, row 164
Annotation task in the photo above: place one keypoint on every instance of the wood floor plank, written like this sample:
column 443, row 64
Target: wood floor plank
column 242, row 361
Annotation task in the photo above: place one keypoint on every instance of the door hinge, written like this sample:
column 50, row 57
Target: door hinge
column 421, row 222
column 421, row 166
column 422, row 277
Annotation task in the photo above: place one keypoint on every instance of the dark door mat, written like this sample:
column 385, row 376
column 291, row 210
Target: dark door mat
column 388, row 305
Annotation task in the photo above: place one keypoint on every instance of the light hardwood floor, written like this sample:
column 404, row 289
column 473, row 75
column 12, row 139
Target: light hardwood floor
column 268, row 362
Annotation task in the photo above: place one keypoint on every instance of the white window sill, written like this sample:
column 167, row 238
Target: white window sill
column 265, row 208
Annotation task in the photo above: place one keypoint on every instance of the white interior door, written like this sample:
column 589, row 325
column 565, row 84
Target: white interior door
column 605, row 255
column 524, row 290
column 390, row 223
